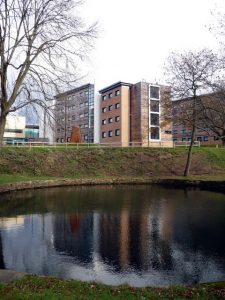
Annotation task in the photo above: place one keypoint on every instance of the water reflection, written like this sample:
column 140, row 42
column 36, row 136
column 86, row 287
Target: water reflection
column 137, row 235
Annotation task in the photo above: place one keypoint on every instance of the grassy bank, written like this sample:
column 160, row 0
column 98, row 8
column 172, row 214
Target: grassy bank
column 35, row 287
column 25, row 163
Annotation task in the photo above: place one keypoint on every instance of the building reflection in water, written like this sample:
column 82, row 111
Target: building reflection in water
column 164, row 237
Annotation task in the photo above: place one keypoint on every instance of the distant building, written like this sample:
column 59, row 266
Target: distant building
column 182, row 134
column 16, row 130
column 182, row 131
column 32, row 132
column 131, row 114
column 75, row 108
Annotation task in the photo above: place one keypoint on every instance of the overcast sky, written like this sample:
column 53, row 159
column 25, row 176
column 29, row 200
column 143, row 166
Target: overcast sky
column 136, row 37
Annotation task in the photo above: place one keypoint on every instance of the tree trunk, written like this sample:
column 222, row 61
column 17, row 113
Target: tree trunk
column 2, row 128
column 188, row 163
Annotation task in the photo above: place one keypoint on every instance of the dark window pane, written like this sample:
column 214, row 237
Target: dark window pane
column 154, row 105
column 155, row 133
column 154, row 92
column 155, row 119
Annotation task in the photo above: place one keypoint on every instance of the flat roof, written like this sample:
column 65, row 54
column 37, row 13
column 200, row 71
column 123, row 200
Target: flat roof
column 75, row 90
column 114, row 86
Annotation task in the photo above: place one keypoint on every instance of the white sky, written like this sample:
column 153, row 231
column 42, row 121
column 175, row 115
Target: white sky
column 136, row 37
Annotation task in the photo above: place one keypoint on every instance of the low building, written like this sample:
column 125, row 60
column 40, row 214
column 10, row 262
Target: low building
column 32, row 133
column 14, row 129
column 183, row 116
column 17, row 131
column 182, row 134
column 131, row 114
column 75, row 108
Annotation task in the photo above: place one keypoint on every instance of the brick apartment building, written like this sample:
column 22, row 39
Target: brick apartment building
column 75, row 108
column 130, row 114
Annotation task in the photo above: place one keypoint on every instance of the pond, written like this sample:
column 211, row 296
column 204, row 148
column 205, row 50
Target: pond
column 139, row 235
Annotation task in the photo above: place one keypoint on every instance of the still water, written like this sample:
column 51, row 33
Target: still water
column 140, row 235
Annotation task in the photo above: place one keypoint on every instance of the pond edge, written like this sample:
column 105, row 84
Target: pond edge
column 215, row 185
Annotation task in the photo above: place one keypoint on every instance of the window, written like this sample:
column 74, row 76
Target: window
column 81, row 115
column 155, row 133
column 110, row 120
column 117, row 105
column 175, row 140
column 117, row 132
column 81, row 104
column 183, row 139
column 86, row 114
column 174, row 131
column 58, row 129
column 103, row 97
column 62, row 140
column 110, row 133
column 86, row 125
column 110, row 107
column 199, row 138
column 103, row 134
column 73, row 117
column 168, row 132
column 68, row 139
column 154, row 105
column 104, row 109
column 110, row 95
column 117, row 93
column 86, row 93
column 117, row 118
column 104, row 122
column 216, row 138
column 205, row 138
column 86, row 137
column 155, row 119
column 86, row 103
column 154, row 92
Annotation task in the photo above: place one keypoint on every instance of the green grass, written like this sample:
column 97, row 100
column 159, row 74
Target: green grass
column 36, row 287
column 7, row 178
column 49, row 162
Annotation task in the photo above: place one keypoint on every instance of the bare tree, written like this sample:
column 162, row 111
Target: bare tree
column 39, row 43
column 190, row 75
